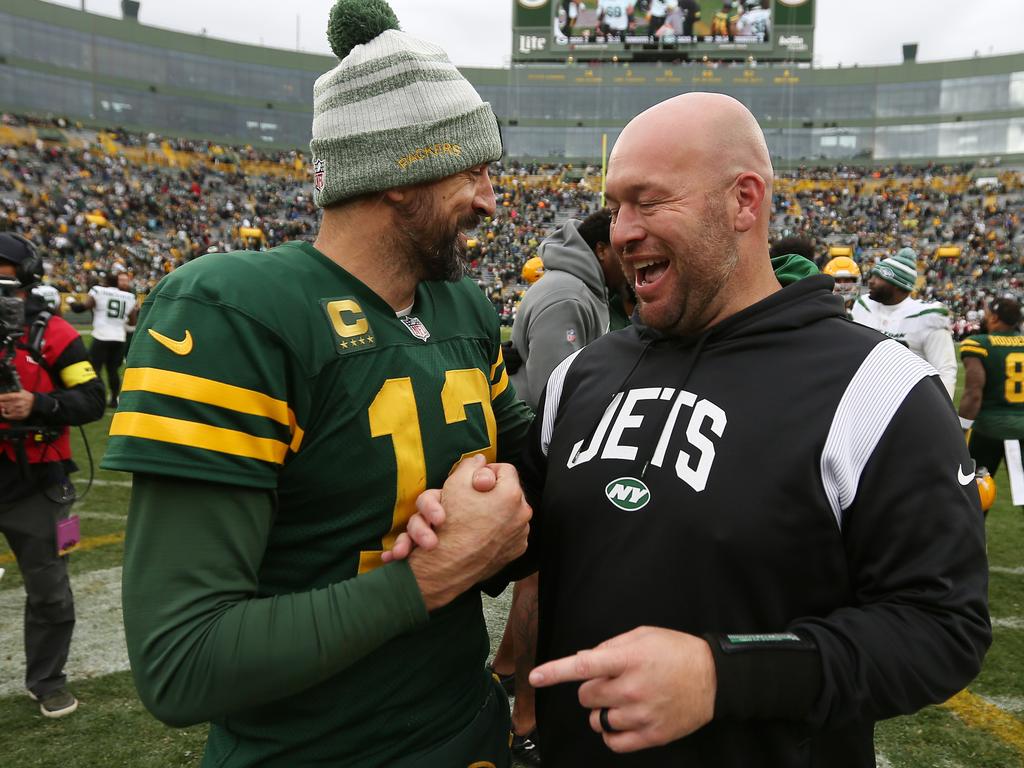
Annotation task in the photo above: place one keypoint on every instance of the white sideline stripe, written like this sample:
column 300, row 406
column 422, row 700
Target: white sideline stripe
column 122, row 483
column 86, row 514
column 1008, row 622
column 872, row 398
column 1018, row 571
column 1013, row 704
column 98, row 646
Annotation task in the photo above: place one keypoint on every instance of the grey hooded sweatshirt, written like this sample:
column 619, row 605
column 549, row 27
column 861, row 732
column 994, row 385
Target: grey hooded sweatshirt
column 562, row 312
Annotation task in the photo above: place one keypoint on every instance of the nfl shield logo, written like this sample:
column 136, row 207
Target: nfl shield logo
column 570, row 335
column 318, row 175
column 416, row 328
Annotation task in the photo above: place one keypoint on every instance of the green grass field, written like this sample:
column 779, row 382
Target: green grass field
column 112, row 729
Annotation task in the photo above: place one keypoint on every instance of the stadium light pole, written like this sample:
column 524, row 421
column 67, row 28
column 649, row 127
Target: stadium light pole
column 604, row 163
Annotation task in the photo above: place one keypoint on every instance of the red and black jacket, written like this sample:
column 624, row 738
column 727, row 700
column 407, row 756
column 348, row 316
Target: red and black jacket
column 67, row 392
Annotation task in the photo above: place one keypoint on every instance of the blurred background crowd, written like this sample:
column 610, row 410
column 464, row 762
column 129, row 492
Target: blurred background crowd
column 98, row 202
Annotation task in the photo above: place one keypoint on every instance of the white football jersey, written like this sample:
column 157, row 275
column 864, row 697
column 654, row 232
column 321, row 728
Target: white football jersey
column 614, row 14
column 110, row 315
column 49, row 294
column 755, row 22
column 659, row 8
column 923, row 326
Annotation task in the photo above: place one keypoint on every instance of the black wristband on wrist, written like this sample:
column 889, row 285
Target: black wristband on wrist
column 764, row 675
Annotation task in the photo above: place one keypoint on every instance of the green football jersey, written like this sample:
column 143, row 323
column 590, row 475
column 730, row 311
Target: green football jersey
column 280, row 370
column 1002, row 399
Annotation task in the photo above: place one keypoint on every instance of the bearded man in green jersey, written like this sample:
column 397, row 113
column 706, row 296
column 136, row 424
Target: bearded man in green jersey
column 282, row 411
column 992, row 403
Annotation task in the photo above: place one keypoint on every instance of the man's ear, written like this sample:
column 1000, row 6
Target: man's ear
column 749, row 191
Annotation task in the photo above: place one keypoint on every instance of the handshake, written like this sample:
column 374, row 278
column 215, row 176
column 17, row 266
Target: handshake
column 466, row 532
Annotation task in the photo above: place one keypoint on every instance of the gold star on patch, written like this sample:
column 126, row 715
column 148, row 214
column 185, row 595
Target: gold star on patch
column 344, row 344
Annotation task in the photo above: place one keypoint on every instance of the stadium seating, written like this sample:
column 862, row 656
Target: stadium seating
column 109, row 200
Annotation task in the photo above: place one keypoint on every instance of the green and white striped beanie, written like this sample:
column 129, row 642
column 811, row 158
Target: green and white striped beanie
column 900, row 270
column 395, row 111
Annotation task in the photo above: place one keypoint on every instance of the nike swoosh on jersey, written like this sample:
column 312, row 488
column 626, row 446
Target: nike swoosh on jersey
column 182, row 347
column 964, row 479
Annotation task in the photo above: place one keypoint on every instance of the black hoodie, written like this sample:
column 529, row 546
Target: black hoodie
column 787, row 473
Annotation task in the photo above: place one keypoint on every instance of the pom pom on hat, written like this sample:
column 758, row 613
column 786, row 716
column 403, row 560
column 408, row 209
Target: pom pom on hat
column 356, row 22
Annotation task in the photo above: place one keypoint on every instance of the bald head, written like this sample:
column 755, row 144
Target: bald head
column 708, row 133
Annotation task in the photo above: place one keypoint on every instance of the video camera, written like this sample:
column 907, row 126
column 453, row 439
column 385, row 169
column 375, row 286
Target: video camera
column 12, row 326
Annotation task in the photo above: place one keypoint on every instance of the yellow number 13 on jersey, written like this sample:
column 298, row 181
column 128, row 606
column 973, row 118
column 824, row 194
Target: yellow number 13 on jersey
column 393, row 412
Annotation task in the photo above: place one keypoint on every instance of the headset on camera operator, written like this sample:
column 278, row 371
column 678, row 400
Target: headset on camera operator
column 46, row 385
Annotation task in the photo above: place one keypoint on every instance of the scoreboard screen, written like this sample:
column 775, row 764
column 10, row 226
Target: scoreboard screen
column 662, row 30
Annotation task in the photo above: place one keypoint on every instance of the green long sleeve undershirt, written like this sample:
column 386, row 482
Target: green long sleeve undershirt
column 201, row 645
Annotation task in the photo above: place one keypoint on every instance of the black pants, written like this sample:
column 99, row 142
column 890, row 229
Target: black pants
column 30, row 525
column 484, row 742
column 986, row 451
column 109, row 355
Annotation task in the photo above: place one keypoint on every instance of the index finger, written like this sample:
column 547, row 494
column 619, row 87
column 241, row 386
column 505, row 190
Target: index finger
column 585, row 665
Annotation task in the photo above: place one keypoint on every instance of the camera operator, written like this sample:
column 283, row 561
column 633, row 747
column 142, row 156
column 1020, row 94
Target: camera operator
column 46, row 384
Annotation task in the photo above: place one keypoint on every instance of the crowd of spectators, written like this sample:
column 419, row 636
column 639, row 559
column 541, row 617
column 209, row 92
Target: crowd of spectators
column 94, row 206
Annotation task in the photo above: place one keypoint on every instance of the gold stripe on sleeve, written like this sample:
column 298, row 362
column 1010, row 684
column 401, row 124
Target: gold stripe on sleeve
column 189, row 387
column 494, row 368
column 180, row 432
column 501, row 386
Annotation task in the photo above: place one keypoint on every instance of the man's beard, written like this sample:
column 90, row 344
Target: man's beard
column 430, row 247
column 709, row 263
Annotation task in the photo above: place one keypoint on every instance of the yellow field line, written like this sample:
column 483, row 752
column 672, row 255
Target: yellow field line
column 90, row 542
column 978, row 713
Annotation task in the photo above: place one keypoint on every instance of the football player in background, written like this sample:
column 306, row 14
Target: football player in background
column 533, row 270
column 846, row 273
column 992, row 403
column 615, row 17
column 754, row 20
column 923, row 326
column 656, row 16
column 690, row 13
column 50, row 295
column 113, row 308
column 723, row 21
column 281, row 412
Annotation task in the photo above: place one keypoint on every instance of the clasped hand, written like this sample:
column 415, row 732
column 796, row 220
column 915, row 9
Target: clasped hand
column 461, row 535
column 657, row 684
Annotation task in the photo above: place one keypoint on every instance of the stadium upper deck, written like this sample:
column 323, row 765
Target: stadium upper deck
column 107, row 71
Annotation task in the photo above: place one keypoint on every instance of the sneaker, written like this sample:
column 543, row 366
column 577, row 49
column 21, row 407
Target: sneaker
column 525, row 749
column 112, row 403
column 57, row 703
